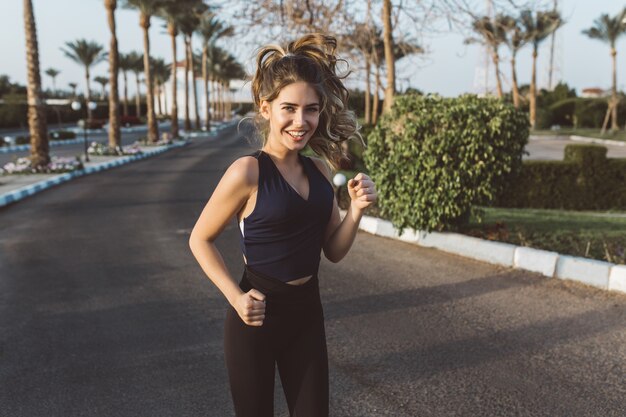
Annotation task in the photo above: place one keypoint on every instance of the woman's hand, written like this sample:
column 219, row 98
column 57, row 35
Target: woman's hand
column 362, row 191
column 251, row 307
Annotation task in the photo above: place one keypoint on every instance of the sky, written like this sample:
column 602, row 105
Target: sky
column 449, row 67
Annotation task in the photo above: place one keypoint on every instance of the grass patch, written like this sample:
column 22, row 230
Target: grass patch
column 594, row 235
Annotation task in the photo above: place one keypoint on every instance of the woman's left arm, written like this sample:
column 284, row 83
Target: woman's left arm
column 340, row 234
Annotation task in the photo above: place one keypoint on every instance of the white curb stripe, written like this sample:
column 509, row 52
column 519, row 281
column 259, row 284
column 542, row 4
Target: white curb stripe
column 599, row 274
column 588, row 271
column 617, row 279
column 536, row 260
column 28, row 190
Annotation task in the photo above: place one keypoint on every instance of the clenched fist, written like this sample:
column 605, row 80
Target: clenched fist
column 251, row 307
column 362, row 191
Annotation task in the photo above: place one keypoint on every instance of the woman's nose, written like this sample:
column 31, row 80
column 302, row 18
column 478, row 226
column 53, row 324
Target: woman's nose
column 298, row 118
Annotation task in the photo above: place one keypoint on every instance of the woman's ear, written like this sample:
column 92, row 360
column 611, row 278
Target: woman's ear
column 265, row 109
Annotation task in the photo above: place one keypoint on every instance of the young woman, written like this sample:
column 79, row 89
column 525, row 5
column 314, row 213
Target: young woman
column 287, row 214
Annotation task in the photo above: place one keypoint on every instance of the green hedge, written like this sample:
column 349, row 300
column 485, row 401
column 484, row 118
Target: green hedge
column 581, row 112
column 584, row 180
column 433, row 158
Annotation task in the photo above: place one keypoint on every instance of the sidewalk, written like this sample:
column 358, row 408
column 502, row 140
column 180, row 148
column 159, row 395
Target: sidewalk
column 19, row 186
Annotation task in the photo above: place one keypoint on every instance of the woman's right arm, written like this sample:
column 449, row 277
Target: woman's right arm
column 230, row 195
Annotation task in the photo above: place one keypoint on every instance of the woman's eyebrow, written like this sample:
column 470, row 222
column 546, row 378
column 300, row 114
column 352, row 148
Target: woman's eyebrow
column 295, row 105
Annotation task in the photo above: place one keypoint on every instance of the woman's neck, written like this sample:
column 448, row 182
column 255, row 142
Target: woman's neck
column 284, row 156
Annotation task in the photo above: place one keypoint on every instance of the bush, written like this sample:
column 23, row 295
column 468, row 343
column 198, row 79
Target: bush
column 433, row 158
column 584, row 180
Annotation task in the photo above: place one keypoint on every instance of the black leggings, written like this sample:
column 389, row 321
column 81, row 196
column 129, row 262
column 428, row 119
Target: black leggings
column 292, row 336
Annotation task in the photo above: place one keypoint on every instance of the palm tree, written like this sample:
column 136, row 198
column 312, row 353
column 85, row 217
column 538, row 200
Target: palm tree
column 188, row 25
column 210, row 29
column 147, row 8
column 125, row 63
column 103, row 81
column 171, row 13
column 136, row 66
column 538, row 27
column 400, row 50
column 39, row 150
column 87, row 53
column 115, row 139
column 390, row 90
column 231, row 70
column 608, row 29
column 161, row 73
column 492, row 35
column 361, row 39
column 73, row 87
column 515, row 39
column 53, row 73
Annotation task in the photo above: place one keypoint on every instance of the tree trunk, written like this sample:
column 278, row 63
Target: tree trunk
column 376, row 97
column 137, row 96
column 125, row 93
column 389, row 59
column 533, row 92
column 552, row 42
column 368, row 106
column 224, row 97
column 614, row 125
column 194, row 90
column 214, row 99
column 157, row 87
column 153, row 128
column 229, row 101
column 174, row 115
column 87, row 93
column 115, row 140
column 164, row 92
column 516, row 101
column 187, row 119
column 37, row 127
column 205, row 82
column 496, row 64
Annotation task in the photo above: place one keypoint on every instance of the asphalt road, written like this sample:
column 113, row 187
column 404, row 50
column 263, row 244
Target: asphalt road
column 104, row 312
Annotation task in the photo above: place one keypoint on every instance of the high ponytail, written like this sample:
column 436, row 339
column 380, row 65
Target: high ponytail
column 311, row 59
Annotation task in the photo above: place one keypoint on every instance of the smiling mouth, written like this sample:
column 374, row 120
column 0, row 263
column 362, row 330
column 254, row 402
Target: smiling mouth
column 297, row 135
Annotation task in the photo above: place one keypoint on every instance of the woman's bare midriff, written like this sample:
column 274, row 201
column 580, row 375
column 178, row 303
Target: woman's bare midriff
column 298, row 281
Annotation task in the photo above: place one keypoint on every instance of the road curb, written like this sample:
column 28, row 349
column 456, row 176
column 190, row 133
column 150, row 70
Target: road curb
column 536, row 260
column 588, row 271
column 52, row 143
column 31, row 189
column 599, row 274
column 617, row 279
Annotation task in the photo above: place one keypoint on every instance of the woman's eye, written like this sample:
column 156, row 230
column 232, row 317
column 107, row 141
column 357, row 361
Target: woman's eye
column 288, row 108
column 313, row 110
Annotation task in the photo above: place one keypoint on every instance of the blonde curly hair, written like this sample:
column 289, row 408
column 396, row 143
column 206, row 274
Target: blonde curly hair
column 310, row 59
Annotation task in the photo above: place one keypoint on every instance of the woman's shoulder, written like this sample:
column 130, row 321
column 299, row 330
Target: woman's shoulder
column 322, row 166
column 244, row 170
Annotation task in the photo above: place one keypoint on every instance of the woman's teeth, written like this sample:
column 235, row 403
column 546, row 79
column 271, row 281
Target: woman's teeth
column 296, row 135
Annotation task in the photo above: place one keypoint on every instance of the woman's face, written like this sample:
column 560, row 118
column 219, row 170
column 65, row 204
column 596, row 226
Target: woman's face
column 293, row 116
